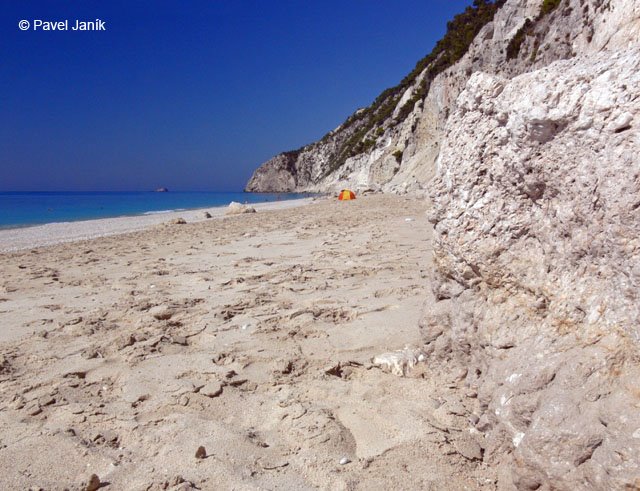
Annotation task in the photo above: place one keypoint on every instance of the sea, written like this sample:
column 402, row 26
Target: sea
column 20, row 209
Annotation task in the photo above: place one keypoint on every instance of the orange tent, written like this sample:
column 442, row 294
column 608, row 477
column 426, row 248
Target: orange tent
column 345, row 194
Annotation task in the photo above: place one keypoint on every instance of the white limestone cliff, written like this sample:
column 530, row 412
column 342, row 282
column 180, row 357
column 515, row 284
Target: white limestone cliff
column 536, row 208
column 400, row 156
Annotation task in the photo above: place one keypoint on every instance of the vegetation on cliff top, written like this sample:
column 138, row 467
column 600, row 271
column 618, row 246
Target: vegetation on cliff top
column 365, row 126
column 461, row 31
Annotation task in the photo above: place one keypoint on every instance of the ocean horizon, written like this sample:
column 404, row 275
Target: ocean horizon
column 24, row 209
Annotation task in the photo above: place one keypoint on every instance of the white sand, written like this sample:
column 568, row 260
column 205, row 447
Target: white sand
column 16, row 239
column 252, row 336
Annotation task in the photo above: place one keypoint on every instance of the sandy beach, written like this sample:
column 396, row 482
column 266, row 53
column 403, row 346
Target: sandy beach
column 15, row 239
column 251, row 336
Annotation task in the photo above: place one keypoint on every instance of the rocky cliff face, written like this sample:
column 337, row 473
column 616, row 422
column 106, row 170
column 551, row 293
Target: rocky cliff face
column 394, row 143
column 536, row 209
column 537, row 220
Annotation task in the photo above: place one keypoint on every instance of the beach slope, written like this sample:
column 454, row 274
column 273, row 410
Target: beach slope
column 251, row 336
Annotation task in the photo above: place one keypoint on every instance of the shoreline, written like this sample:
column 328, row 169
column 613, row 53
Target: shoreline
column 49, row 234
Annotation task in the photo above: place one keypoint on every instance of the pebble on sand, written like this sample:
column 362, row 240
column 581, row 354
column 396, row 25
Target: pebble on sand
column 344, row 461
column 201, row 453
column 212, row 389
column 93, row 484
column 236, row 208
column 468, row 448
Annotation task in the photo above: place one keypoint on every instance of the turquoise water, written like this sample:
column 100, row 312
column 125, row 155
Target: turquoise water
column 24, row 209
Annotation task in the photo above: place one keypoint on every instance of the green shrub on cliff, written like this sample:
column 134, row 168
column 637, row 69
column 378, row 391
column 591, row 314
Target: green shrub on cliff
column 548, row 6
column 513, row 48
column 461, row 31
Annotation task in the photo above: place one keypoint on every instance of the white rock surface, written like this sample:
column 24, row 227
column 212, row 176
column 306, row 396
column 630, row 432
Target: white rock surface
column 236, row 208
column 537, row 221
column 575, row 27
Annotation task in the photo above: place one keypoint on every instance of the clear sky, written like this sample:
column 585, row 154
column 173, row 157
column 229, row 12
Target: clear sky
column 191, row 95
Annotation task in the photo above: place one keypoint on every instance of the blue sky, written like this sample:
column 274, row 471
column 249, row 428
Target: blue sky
column 191, row 95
